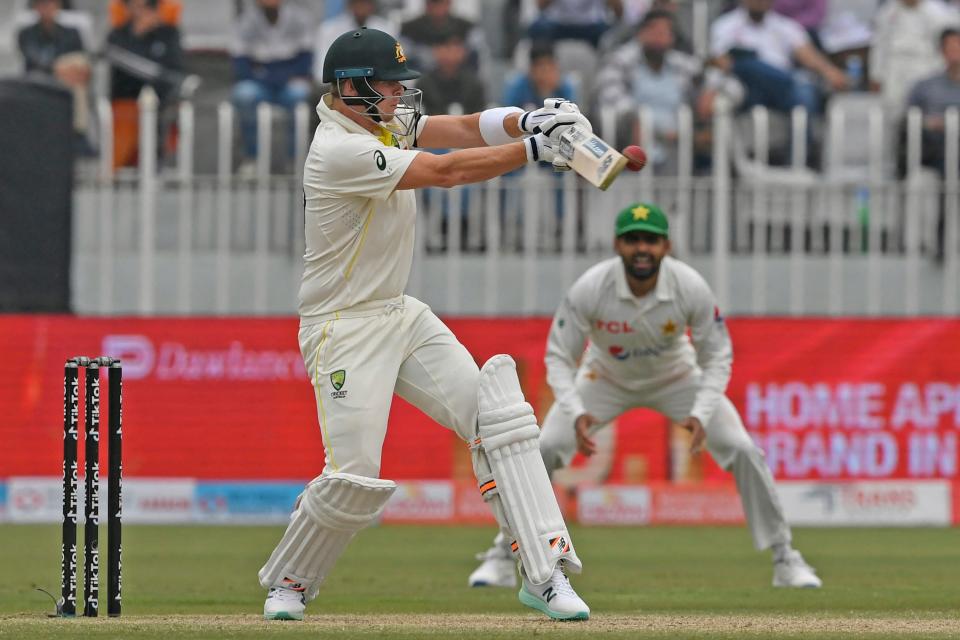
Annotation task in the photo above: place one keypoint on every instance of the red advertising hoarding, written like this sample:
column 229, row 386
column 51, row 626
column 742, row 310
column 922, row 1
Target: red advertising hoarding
column 850, row 399
column 228, row 398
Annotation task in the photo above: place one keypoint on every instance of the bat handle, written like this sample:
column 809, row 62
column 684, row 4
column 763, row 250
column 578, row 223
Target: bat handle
column 560, row 164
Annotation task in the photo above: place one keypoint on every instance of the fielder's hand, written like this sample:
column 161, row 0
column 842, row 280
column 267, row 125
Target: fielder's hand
column 693, row 425
column 585, row 443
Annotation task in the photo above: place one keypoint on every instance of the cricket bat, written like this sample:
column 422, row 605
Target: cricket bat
column 588, row 155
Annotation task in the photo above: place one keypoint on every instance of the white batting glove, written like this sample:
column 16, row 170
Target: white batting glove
column 561, row 104
column 529, row 120
column 539, row 148
column 556, row 124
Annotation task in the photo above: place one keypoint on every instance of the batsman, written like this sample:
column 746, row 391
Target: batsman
column 636, row 309
column 363, row 340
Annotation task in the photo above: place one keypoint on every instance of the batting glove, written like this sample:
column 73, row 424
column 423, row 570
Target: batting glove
column 539, row 148
column 529, row 120
column 556, row 124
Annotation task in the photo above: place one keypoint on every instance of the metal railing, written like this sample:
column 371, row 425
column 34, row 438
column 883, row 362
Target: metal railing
column 852, row 239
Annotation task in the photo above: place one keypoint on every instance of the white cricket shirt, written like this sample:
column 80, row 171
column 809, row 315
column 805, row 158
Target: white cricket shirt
column 640, row 343
column 774, row 38
column 359, row 230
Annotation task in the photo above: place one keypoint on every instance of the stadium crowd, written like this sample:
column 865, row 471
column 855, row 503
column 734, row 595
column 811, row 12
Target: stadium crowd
column 618, row 54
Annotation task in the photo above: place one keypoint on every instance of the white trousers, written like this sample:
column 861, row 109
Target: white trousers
column 359, row 358
column 727, row 441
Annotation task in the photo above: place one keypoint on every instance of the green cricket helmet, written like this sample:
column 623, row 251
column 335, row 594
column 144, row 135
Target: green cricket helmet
column 366, row 53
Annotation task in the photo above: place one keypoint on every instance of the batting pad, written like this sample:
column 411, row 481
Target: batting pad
column 329, row 513
column 511, row 473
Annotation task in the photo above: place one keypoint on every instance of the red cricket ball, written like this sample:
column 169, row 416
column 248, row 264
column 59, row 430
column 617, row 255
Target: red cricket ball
column 636, row 157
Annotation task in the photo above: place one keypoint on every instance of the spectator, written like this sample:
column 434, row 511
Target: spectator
column 528, row 90
column 273, row 62
column 935, row 95
column 169, row 11
column 451, row 80
column 421, row 33
column 904, row 47
column 543, row 80
column 846, row 31
column 626, row 30
column 574, row 19
column 148, row 39
column 42, row 43
column 56, row 51
column 143, row 51
column 632, row 11
column 359, row 13
column 759, row 47
column 650, row 71
column 809, row 14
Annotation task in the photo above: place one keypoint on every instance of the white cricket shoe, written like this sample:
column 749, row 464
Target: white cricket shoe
column 497, row 569
column 556, row 597
column 284, row 604
column 791, row 570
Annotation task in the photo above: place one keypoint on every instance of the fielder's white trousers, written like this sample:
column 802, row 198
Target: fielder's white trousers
column 358, row 358
column 727, row 441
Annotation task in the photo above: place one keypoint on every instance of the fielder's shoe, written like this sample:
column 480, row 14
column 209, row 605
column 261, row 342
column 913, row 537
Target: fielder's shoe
column 556, row 597
column 497, row 569
column 790, row 570
column 284, row 604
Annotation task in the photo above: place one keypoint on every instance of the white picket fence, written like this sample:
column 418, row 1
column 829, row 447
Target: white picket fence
column 850, row 240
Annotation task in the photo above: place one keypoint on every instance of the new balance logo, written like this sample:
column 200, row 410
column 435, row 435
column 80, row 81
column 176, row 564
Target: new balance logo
column 548, row 594
column 293, row 585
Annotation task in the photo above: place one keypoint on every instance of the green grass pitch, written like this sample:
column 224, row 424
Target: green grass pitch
column 410, row 582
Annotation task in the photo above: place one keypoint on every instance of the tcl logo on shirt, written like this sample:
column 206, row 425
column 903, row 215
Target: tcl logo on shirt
column 614, row 326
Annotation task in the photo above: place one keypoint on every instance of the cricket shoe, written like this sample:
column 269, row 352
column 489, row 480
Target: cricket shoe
column 791, row 570
column 555, row 597
column 284, row 603
column 497, row 569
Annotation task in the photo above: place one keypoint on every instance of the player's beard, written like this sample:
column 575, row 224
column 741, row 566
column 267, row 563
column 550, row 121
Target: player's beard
column 654, row 56
column 641, row 272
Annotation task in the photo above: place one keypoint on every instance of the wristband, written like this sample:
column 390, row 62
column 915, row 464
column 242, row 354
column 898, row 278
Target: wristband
column 491, row 125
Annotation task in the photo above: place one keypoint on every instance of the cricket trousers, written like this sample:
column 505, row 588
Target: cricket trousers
column 727, row 441
column 358, row 358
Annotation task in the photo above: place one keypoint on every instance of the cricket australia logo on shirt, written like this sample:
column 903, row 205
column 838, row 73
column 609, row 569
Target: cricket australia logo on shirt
column 338, row 379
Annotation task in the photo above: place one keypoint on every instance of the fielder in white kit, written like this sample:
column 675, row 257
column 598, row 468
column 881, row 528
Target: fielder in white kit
column 636, row 309
column 362, row 340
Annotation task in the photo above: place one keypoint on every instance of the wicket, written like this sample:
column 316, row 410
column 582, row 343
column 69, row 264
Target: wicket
column 91, row 543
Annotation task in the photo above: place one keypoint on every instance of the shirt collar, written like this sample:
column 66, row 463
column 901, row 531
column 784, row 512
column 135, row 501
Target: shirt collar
column 746, row 19
column 663, row 291
column 327, row 113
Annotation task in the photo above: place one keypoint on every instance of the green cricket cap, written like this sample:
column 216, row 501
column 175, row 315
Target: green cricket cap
column 642, row 216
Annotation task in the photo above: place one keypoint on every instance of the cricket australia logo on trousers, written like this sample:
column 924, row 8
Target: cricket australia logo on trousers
column 338, row 379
